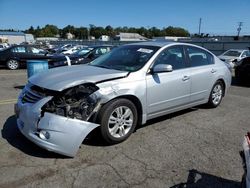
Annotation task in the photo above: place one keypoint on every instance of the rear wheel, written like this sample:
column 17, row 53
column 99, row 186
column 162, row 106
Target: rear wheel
column 118, row 119
column 12, row 64
column 216, row 94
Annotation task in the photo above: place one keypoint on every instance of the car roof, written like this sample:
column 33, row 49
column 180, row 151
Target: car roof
column 98, row 46
column 153, row 43
column 164, row 43
column 238, row 50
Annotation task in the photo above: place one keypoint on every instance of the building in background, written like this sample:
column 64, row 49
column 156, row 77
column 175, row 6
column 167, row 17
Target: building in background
column 13, row 37
column 69, row 36
column 130, row 37
column 42, row 39
column 29, row 38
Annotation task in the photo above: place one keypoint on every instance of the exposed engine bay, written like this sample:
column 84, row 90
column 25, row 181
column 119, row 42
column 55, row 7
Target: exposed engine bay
column 77, row 102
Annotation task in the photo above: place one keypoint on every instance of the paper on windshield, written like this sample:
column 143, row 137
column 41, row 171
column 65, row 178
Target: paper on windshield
column 144, row 50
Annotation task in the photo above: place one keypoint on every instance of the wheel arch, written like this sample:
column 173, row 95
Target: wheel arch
column 135, row 101
column 224, row 85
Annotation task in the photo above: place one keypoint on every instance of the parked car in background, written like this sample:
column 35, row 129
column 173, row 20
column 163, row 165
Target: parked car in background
column 118, row 91
column 73, row 49
column 246, row 161
column 16, row 56
column 104, row 38
column 3, row 46
column 61, row 48
column 234, row 55
column 242, row 70
column 82, row 56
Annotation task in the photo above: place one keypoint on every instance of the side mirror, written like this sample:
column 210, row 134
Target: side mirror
column 162, row 68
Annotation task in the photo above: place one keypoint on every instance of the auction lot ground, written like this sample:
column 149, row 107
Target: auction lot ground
column 198, row 147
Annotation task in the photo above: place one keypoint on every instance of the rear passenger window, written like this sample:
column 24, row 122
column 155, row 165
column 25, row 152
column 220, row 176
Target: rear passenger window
column 19, row 49
column 172, row 56
column 199, row 57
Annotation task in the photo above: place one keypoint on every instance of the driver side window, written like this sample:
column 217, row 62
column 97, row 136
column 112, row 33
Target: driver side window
column 172, row 56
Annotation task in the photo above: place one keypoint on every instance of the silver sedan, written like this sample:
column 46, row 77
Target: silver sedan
column 118, row 91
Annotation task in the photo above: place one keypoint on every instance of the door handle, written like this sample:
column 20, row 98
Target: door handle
column 213, row 71
column 185, row 78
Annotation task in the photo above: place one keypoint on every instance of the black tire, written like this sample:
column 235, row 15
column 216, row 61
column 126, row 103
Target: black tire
column 243, row 181
column 12, row 64
column 105, row 115
column 212, row 102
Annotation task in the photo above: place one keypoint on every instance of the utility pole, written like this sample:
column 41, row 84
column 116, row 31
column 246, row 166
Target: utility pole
column 240, row 24
column 200, row 27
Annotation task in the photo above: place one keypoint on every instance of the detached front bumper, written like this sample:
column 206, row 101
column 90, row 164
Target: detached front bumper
column 52, row 132
column 247, row 161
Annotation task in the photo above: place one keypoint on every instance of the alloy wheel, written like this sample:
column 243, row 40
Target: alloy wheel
column 217, row 94
column 12, row 64
column 120, row 121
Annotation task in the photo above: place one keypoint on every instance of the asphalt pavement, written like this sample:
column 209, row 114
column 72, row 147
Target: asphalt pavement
column 197, row 147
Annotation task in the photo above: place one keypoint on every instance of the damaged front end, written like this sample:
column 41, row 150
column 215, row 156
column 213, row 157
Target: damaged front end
column 57, row 120
column 78, row 102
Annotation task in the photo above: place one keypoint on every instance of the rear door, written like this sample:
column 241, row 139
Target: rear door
column 202, row 73
column 19, row 53
column 168, row 90
column 33, row 53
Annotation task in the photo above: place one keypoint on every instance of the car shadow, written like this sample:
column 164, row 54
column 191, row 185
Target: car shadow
column 198, row 179
column 14, row 137
column 95, row 138
column 169, row 116
column 19, row 87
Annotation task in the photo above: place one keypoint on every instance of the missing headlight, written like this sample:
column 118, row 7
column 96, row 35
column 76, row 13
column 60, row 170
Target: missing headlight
column 77, row 102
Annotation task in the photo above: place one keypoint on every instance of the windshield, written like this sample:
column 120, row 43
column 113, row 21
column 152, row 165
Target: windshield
column 83, row 51
column 126, row 58
column 232, row 53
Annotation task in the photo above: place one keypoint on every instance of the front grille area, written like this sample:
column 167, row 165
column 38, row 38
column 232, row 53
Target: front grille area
column 30, row 95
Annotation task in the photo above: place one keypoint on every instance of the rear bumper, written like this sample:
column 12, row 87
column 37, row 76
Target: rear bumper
column 52, row 132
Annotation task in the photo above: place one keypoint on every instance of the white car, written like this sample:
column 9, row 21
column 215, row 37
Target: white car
column 118, row 91
column 246, row 161
column 73, row 49
column 3, row 46
column 232, row 56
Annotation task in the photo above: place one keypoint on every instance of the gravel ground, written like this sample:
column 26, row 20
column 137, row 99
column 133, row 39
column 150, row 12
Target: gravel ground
column 197, row 147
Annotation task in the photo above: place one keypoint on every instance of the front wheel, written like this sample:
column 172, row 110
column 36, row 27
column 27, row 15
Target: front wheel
column 118, row 119
column 216, row 94
column 12, row 64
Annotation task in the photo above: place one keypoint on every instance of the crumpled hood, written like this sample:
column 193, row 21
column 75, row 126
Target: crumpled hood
column 62, row 78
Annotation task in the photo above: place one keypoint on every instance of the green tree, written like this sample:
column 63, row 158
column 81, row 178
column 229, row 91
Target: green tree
column 175, row 31
column 109, row 31
column 68, row 29
column 50, row 31
column 81, row 33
